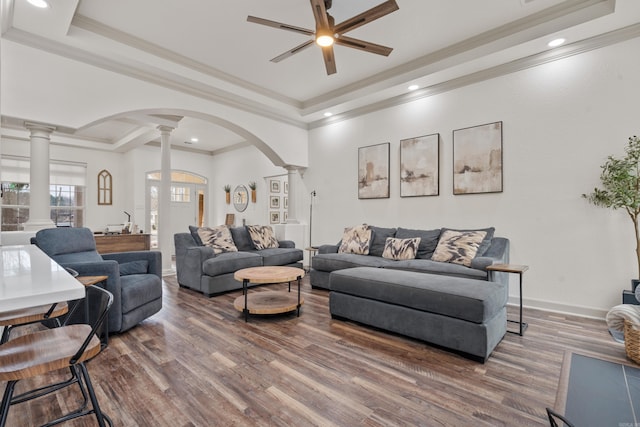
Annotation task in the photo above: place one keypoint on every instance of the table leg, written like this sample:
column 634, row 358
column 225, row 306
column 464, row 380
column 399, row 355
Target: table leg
column 245, row 292
column 299, row 280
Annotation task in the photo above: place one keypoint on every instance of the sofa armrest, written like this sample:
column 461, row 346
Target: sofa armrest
column 286, row 243
column 328, row 249
column 154, row 258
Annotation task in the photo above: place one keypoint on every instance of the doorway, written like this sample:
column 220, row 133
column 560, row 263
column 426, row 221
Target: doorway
column 188, row 202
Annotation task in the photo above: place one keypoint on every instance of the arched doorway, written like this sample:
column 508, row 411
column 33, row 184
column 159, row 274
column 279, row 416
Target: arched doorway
column 188, row 202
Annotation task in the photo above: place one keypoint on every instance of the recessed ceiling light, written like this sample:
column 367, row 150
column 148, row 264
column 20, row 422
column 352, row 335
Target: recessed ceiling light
column 556, row 42
column 413, row 87
column 39, row 3
column 194, row 139
column 328, row 114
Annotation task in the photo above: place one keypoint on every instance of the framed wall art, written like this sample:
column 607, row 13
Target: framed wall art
column 373, row 171
column 274, row 217
column 274, row 202
column 274, row 184
column 477, row 159
column 420, row 166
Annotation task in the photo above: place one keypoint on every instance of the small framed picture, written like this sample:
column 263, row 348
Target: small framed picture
column 286, row 202
column 274, row 217
column 275, row 185
column 274, row 202
column 285, row 215
column 286, row 187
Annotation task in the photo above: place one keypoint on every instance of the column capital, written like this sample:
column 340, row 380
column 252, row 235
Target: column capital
column 39, row 129
column 165, row 129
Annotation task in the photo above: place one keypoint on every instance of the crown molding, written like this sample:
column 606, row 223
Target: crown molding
column 126, row 39
column 577, row 48
column 152, row 75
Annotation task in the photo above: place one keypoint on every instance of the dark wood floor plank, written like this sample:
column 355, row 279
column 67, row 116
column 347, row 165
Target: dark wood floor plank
column 198, row 363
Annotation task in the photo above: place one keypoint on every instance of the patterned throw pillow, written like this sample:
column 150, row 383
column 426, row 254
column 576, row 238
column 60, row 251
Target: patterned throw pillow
column 458, row 247
column 262, row 236
column 401, row 248
column 356, row 240
column 219, row 238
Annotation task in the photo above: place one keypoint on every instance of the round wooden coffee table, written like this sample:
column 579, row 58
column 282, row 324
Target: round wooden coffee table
column 268, row 302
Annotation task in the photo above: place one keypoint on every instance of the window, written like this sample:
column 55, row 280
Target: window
column 180, row 194
column 66, row 192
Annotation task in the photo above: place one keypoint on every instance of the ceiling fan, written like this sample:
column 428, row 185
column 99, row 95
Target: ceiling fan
column 327, row 32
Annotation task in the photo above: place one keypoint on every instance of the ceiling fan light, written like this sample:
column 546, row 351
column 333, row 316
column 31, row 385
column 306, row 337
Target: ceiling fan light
column 324, row 38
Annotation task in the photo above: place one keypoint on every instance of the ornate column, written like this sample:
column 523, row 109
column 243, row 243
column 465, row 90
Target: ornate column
column 39, row 201
column 164, row 198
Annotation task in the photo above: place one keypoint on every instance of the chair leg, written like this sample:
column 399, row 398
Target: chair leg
column 6, row 402
column 92, row 394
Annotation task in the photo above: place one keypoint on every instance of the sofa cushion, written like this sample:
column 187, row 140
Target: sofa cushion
column 280, row 256
column 138, row 289
column 134, row 267
column 219, row 238
column 332, row 262
column 401, row 248
column 230, row 262
column 458, row 247
column 356, row 240
column 471, row 300
column 262, row 236
column 194, row 233
column 379, row 237
column 241, row 238
column 428, row 240
column 435, row 267
column 486, row 241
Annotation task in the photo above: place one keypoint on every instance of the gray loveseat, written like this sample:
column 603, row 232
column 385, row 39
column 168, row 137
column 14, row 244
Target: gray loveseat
column 198, row 267
column 459, row 307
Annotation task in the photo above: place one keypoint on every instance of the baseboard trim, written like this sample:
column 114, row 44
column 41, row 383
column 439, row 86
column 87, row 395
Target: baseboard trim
column 554, row 307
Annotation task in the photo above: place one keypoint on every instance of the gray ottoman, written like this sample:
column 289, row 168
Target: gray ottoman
column 465, row 315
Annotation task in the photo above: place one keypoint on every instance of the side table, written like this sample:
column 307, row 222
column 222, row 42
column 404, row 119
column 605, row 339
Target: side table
column 89, row 281
column 312, row 252
column 517, row 269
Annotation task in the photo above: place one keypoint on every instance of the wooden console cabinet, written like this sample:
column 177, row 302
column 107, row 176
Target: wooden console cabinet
column 106, row 243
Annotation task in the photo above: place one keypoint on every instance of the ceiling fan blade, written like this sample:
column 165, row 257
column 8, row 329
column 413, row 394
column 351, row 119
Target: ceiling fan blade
column 363, row 45
column 329, row 60
column 320, row 13
column 280, row 25
column 366, row 17
column 293, row 51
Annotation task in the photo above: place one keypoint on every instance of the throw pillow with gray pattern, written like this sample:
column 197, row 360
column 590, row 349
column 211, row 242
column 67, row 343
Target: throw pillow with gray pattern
column 262, row 236
column 219, row 238
column 401, row 248
column 356, row 240
column 458, row 247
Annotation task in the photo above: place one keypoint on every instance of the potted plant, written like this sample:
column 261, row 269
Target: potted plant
column 620, row 179
column 252, row 186
column 227, row 191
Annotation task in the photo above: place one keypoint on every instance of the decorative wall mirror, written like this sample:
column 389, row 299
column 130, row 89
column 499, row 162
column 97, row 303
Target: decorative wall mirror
column 105, row 185
column 240, row 198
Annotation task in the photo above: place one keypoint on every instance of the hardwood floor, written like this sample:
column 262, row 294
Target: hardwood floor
column 197, row 363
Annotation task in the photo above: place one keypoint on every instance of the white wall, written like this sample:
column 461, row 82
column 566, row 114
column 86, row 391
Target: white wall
column 240, row 167
column 560, row 121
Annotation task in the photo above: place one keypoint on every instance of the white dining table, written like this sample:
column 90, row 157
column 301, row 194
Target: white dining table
column 30, row 278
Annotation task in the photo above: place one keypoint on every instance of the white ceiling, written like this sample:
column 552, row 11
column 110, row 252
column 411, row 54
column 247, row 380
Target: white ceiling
column 437, row 44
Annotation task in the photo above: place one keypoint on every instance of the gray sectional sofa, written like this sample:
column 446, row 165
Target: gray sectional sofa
column 462, row 308
column 199, row 268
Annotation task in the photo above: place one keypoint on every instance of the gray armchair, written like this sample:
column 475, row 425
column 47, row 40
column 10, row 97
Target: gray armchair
column 134, row 278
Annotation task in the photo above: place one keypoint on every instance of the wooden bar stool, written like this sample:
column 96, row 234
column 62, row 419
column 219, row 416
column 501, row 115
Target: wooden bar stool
column 68, row 346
